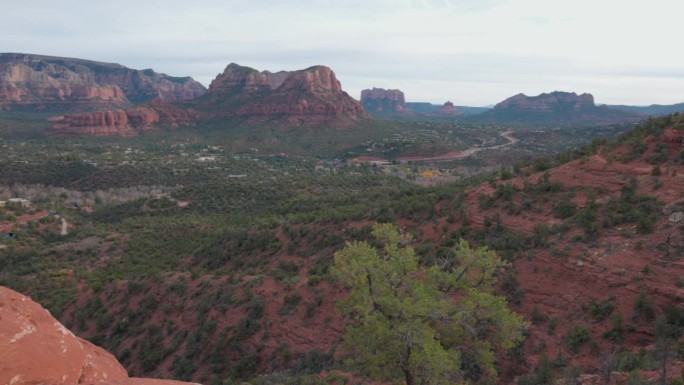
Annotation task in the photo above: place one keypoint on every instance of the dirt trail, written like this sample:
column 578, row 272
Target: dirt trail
column 24, row 218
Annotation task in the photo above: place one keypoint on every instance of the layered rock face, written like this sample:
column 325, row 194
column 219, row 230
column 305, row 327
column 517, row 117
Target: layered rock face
column 46, row 82
column 554, row 101
column 379, row 100
column 307, row 97
column 36, row 349
column 125, row 122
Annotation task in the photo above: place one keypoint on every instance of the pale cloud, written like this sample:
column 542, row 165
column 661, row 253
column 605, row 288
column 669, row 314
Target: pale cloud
column 468, row 51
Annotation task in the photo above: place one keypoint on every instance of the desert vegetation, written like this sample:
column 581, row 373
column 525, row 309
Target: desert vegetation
column 228, row 269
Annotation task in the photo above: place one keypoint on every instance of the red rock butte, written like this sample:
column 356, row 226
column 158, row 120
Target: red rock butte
column 382, row 100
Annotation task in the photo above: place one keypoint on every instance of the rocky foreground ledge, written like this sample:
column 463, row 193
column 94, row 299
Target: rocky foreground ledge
column 35, row 348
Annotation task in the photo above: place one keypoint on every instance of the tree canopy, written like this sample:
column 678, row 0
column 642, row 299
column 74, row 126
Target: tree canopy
column 438, row 324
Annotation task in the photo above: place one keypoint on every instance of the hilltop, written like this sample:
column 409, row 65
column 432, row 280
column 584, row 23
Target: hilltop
column 596, row 244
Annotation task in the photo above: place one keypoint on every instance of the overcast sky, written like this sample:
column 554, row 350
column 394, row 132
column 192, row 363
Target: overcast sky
column 471, row 52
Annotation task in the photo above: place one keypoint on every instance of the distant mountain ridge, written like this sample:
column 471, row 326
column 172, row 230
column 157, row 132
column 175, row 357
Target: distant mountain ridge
column 653, row 109
column 429, row 108
column 42, row 82
column 556, row 107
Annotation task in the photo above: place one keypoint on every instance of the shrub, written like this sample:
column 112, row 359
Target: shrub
column 537, row 316
column 542, row 374
column 601, row 310
column 577, row 336
column 616, row 334
column 645, row 225
column 643, row 308
column 246, row 328
column 511, row 287
column 292, row 299
column 564, row 208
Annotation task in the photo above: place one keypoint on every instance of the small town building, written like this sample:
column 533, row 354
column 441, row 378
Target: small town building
column 21, row 201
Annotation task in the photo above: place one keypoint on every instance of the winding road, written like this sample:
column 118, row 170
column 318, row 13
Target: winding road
column 455, row 155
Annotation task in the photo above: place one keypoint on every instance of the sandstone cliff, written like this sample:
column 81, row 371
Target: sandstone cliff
column 46, row 82
column 35, row 348
column 125, row 122
column 382, row 101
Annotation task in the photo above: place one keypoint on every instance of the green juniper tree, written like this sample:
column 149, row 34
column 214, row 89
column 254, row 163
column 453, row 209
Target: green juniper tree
column 430, row 325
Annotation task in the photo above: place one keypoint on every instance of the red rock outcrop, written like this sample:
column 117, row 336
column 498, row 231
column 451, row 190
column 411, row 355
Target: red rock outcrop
column 380, row 100
column 101, row 123
column 124, row 122
column 449, row 109
column 308, row 97
column 46, row 82
column 311, row 96
column 35, row 348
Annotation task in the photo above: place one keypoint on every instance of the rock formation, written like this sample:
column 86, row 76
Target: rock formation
column 312, row 96
column 557, row 108
column 307, row 97
column 449, row 109
column 382, row 101
column 35, row 348
column 46, row 82
column 125, row 122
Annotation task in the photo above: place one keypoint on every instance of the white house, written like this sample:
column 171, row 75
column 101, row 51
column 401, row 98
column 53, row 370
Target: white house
column 23, row 202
